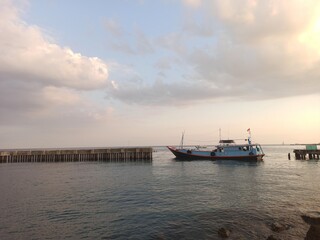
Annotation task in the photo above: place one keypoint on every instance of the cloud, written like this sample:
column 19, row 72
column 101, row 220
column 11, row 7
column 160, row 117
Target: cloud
column 164, row 63
column 38, row 75
column 28, row 54
column 161, row 93
column 197, row 27
column 260, row 44
column 241, row 50
column 129, row 43
column 61, row 96
column 143, row 44
column 192, row 3
column 158, row 93
column 113, row 27
column 176, row 42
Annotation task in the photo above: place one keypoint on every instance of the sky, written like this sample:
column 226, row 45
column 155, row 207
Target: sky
column 139, row 72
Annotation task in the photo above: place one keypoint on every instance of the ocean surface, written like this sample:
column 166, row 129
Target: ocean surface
column 162, row 199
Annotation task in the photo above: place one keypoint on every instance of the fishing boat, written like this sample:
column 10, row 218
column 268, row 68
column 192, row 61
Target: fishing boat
column 226, row 150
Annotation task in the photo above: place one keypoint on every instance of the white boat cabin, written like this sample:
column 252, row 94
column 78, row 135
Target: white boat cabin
column 230, row 147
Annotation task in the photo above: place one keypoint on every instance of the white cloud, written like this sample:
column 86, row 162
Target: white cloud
column 37, row 76
column 27, row 53
column 260, row 44
column 241, row 50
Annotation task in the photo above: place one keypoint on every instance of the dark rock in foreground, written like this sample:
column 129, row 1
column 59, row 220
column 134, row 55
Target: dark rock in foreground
column 313, row 219
column 224, row 233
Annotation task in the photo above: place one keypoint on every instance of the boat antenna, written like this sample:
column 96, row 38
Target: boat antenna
column 219, row 134
column 182, row 138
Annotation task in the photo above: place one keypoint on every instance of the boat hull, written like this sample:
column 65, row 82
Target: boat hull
column 206, row 155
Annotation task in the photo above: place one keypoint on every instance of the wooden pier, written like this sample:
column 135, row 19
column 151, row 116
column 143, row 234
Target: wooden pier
column 303, row 154
column 77, row 155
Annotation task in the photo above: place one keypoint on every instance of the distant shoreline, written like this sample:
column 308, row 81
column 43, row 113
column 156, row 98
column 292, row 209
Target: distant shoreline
column 156, row 146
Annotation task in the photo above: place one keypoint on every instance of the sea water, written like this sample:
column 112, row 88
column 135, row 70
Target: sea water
column 162, row 199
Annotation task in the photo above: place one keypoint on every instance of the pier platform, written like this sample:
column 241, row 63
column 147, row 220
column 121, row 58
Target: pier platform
column 76, row 155
column 303, row 154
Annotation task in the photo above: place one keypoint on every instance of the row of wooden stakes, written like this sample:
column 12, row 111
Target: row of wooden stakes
column 115, row 154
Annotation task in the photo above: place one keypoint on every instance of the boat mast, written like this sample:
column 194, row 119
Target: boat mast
column 220, row 136
column 181, row 143
column 249, row 137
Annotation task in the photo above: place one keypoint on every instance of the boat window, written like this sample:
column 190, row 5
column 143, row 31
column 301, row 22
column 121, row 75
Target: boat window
column 240, row 148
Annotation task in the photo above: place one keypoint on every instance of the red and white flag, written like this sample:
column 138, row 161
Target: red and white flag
column 248, row 130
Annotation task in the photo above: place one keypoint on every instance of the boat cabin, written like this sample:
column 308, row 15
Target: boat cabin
column 254, row 148
column 229, row 146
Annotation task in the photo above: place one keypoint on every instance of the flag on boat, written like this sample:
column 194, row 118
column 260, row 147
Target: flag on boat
column 248, row 130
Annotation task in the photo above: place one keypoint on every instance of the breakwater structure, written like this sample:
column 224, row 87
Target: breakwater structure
column 311, row 152
column 77, row 155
